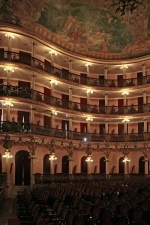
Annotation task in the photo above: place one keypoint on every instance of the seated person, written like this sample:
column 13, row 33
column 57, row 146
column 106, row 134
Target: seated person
column 38, row 97
column 75, row 107
column 132, row 109
column 112, row 109
column 95, row 109
column 112, row 84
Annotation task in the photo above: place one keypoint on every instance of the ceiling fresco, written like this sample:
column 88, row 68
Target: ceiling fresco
column 83, row 27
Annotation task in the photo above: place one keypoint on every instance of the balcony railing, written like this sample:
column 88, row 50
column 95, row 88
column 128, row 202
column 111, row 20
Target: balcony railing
column 64, row 74
column 19, row 127
column 26, row 93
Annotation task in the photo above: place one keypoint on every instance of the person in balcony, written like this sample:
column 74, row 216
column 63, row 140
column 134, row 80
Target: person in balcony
column 76, row 107
column 132, row 109
column 38, row 97
column 95, row 109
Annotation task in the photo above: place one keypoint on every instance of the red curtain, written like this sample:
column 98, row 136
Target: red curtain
column 23, row 84
column 21, row 115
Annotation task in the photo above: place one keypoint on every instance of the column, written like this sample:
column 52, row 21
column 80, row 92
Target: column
column 52, row 59
column 125, row 168
column 32, row 172
column 70, row 166
column 106, row 73
column 146, row 166
column 88, row 97
column 70, row 127
column 144, row 97
column 9, row 71
column 33, row 81
column 107, row 168
column 32, row 115
column 52, row 120
column 9, row 39
column 33, row 51
column 145, row 126
column 88, row 69
column 143, row 70
column 8, row 188
column 106, row 99
column 125, row 99
column 51, row 167
column 124, row 72
column 88, row 167
column 70, row 98
column 70, row 65
column 52, row 89
column 125, row 127
column 8, row 112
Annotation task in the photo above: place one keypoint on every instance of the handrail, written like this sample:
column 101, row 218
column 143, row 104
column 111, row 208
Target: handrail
column 27, row 93
column 26, row 128
column 65, row 74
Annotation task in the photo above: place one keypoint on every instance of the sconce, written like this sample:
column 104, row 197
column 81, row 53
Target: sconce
column 7, row 154
column 89, row 91
column 89, row 119
column 9, row 35
column 52, row 157
column 9, row 69
column 125, row 93
column 126, row 159
column 88, row 64
column 124, row 67
column 53, row 52
column 53, row 82
column 125, row 120
column 7, row 104
column 89, row 159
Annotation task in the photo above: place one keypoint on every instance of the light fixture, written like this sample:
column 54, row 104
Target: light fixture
column 54, row 113
column 53, row 52
column 125, row 120
column 52, row 157
column 125, row 7
column 53, row 82
column 10, row 35
column 7, row 103
column 89, row 159
column 9, row 69
column 125, row 93
column 89, row 119
column 7, row 154
column 88, row 64
column 124, row 67
column 126, row 159
column 89, row 91
column 84, row 139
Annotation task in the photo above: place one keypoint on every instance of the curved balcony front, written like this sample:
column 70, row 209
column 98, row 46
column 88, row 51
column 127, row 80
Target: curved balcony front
column 18, row 127
column 26, row 93
column 15, row 57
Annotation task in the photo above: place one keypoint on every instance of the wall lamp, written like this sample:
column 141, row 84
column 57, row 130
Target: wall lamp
column 52, row 157
column 9, row 35
column 89, row 91
column 53, row 52
column 7, row 154
column 7, row 104
column 9, row 69
column 53, row 82
column 89, row 159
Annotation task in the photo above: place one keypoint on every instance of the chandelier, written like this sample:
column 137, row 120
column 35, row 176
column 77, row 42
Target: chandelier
column 126, row 7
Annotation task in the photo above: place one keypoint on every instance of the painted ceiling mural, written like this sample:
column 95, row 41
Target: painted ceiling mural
column 83, row 27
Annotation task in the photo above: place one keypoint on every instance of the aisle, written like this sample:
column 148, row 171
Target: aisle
column 7, row 210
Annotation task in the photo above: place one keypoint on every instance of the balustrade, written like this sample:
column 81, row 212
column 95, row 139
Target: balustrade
column 36, row 63
column 19, row 127
column 26, row 93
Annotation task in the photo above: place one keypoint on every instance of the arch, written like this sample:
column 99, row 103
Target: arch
column 102, row 165
column 83, row 165
column 121, row 165
column 0, row 163
column 46, row 164
column 22, row 168
column 65, row 164
column 141, row 165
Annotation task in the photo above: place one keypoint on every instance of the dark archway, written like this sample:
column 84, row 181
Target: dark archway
column 0, row 163
column 102, row 165
column 83, row 165
column 22, row 168
column 65, row 164
column 141, row 165
column 46, row 164
column 121, row 165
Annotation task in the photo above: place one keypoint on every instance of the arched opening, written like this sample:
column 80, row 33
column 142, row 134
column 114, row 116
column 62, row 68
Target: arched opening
column 0, row 163
column 46, row 164
column 22, row 168
column 65, row 164
column 102, row 165
column 121, row 165
column 83, row 165
column 141, row 165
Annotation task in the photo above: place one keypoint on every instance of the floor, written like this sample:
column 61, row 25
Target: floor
column 7, row 210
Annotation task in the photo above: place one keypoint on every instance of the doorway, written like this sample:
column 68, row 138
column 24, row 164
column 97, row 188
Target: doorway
column 22, row 168
column 121, row 165
column 83, row 165
column 102, row 165
column 65, row 164
column 46, row 164
column 141, row 165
